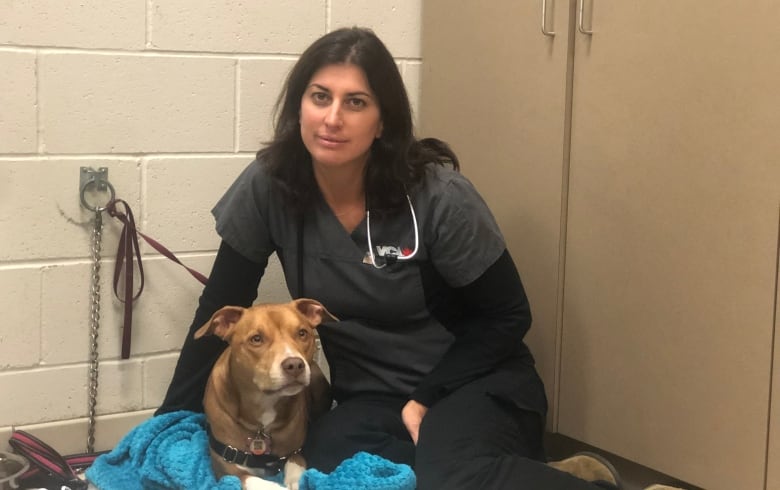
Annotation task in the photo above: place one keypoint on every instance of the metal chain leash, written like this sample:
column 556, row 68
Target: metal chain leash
column 98, row 181
column 94, row 326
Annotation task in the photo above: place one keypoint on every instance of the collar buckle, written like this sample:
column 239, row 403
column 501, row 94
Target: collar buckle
column 233, row 455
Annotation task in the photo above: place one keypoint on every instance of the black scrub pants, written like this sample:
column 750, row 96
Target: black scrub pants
column 469, row 440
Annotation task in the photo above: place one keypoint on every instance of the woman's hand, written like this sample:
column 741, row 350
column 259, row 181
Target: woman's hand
column 412, row 415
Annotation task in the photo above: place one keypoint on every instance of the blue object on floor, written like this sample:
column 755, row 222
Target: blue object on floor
column 167, row 452
column 170, row 452
column 363, row 471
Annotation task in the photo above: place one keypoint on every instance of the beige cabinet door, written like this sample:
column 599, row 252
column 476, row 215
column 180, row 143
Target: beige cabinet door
column 494, row 87
column 773, row 456
column 672, row 236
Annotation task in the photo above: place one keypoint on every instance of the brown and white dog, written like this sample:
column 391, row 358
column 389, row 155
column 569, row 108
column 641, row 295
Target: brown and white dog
column 263, row 390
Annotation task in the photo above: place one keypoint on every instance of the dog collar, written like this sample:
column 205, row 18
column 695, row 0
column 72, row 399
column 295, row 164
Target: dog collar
column 269, row 463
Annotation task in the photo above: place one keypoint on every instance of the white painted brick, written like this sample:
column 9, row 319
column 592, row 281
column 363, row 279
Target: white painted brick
column 110, row 429
column 180, row 193
column 120, row 386
column 166, row 308
column 65, row 436
column 105, row 103
column 397, row 22
column 40, row 212
column 60, row 392
column 42, row 395
column 161, row 316
column 65, row 327
column 20, row 330
column 259, row 26
column 70, row 436
column 5, row 434
column 18, row 120
column 158, row 372
column 273, row 287
column 411, row 76
column 260, row 82
column 86, row 24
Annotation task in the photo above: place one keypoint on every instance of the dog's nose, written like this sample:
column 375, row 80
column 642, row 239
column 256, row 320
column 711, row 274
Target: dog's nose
column 293, row 366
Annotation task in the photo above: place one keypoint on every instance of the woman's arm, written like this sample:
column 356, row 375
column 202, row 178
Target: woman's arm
column 497, row 317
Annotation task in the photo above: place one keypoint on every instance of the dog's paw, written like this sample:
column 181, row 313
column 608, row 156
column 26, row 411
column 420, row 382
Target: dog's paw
column 292, row 475
column 255, row 483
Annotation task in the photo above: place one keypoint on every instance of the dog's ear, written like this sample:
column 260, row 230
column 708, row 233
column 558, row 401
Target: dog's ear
column 221, row 322
column 313, row 311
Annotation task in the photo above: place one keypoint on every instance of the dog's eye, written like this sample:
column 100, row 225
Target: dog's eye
column 303, row 333
column 256, row 339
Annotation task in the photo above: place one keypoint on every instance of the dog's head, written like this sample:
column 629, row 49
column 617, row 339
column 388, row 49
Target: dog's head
column 272, row 345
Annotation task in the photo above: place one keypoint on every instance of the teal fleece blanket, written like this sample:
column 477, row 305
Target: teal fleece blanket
column 170, row 452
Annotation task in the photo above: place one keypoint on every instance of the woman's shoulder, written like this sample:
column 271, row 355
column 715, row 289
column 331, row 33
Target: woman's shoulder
column 256, row 169
column 252, row 185
column 255, row 176
column 444, row 182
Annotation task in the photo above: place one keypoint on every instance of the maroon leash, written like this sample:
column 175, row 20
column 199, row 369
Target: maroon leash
column 127, row 251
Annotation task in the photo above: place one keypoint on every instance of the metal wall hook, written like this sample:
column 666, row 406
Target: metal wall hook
column 98, row 180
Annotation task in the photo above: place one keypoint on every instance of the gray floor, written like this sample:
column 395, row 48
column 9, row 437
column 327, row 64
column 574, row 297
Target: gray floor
column 634, row 476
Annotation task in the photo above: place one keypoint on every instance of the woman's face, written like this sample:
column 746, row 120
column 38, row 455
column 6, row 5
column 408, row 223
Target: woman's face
column 340, row 117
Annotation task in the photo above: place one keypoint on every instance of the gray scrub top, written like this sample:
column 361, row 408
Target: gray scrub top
column 387, row 339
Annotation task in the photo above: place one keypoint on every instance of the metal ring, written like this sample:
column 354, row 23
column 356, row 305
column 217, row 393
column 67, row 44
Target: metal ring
column 96, row 209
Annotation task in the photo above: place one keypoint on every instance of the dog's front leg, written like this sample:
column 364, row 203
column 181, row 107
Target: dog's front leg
column 257, row 483
column 292, row 473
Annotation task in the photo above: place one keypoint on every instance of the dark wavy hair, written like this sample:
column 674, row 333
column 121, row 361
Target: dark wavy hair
column 396, row 159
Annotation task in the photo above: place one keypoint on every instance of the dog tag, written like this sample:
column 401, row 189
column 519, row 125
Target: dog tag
column 258, row 445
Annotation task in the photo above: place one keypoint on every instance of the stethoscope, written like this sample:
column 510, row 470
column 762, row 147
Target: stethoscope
column 391, row 258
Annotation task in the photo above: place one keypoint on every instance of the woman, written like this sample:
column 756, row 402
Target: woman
column 428, row 364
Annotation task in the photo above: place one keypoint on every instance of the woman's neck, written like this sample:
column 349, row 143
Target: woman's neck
column 344, row 191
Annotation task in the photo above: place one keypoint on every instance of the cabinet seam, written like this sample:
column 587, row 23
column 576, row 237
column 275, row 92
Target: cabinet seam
column 772, row 353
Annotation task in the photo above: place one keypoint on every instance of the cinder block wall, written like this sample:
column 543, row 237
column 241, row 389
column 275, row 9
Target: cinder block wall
column 173, row 97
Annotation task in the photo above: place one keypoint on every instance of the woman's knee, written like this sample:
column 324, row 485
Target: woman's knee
column 474, row 426
column 355, row 427
column 471, row 439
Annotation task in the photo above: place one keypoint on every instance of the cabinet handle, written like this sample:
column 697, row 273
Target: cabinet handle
column 580, row 21
column 544, row 20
